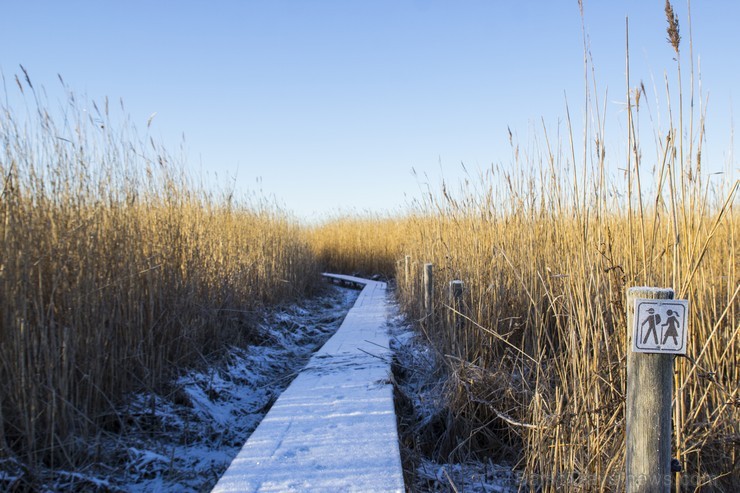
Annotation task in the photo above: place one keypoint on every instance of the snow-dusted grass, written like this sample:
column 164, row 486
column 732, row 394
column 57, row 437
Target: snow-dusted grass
column 423, row 416
column 184, row 440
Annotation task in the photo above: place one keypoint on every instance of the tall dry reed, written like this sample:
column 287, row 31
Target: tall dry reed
column 546, row 246
column 116, row 271
column 358, row 244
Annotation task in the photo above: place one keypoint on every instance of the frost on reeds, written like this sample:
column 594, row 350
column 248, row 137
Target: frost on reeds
column 115, row 271
column 546, row 247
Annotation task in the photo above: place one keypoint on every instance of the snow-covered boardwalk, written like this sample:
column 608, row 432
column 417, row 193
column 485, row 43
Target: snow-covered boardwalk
column 334, row 427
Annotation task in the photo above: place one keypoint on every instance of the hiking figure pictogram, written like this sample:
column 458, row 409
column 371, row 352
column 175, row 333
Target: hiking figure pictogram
column 659, row 326
column 652, row 320
column 673, row 325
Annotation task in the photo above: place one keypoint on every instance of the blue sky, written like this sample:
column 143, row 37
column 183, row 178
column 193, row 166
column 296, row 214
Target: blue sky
column 328, row 105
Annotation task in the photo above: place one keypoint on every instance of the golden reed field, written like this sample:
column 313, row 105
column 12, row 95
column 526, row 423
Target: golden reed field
column 115, row 272
column 546, row 246
column 117, row 269
column 536, row 366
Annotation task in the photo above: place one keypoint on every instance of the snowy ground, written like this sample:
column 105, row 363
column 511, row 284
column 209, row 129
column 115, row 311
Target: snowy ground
column 183, row 442
column 420, row 385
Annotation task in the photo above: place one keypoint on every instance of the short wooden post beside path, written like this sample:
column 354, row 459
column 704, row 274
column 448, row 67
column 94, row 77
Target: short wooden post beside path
column 428, row 281
column 407, row 271
column 455, row 318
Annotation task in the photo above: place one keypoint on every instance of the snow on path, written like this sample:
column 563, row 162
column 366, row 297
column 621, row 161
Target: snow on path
column 334, row 427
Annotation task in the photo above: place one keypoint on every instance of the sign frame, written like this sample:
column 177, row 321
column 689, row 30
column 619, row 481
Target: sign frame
column 665, row 319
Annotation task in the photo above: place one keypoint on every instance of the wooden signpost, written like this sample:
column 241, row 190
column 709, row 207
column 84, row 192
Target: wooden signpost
column 658, row 329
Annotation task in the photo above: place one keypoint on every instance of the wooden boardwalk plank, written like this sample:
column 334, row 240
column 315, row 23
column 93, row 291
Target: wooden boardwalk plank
column 334, row 428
